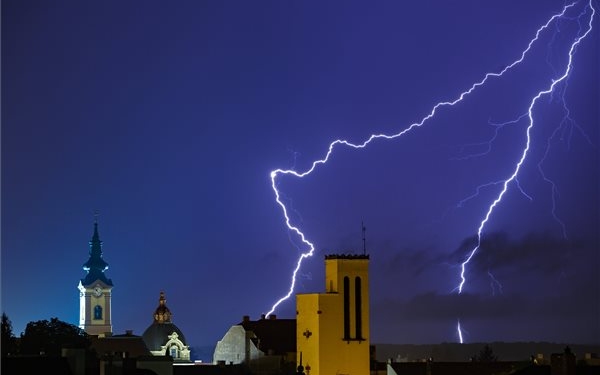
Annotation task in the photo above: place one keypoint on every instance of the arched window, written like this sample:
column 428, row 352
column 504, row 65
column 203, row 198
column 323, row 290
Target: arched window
column 97, row 312
column 346, row 308
column 358, row 307
column 174, row 352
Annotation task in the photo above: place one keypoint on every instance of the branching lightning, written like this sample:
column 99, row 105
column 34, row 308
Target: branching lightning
column 505, row 183
column 517, row 168
column 494, row 283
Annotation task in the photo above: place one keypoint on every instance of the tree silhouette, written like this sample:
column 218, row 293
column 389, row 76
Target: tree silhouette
column 50, row 337
column 9, row 341
column 486, row 355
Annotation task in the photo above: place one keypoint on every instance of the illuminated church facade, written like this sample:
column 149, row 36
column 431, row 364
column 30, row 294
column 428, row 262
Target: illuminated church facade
column 161, row 338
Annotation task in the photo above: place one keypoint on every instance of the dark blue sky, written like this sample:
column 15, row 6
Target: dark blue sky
column 168, row 118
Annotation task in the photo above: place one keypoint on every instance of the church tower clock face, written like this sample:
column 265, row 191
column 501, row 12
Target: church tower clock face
column 98, row 291
column 95, row 292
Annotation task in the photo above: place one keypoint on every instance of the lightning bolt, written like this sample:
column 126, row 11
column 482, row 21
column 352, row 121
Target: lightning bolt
column 494, row 283
column 278, row 173
column 488, row 143
column 566, row 125
column 459, row 332
column 515, row 173
column 565, row 128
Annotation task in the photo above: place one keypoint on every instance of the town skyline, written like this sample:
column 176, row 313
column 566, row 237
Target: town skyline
column 169, row 121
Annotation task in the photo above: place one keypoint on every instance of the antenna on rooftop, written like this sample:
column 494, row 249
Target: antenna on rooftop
column 364, row 230
column 96, row 214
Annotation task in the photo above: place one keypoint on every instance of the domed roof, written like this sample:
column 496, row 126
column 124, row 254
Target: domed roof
column 157, row 334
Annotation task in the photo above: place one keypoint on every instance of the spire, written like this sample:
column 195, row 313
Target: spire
column 364, row 230
column 162, row 314
column 95, row 260
column 95, row 265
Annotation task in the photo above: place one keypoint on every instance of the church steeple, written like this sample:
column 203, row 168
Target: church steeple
column 95, row 265
column 95, row 291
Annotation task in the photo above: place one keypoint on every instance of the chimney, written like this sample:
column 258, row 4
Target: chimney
column 262, row 316
column 272, row 317
column 129, row 332
column 246, row 318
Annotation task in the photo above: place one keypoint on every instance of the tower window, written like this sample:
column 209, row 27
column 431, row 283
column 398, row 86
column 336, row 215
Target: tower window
column 97, row 312
column 346, row 308
column 358, row 307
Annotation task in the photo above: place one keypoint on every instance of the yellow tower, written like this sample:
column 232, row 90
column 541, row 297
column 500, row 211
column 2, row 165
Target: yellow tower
column 332, row 328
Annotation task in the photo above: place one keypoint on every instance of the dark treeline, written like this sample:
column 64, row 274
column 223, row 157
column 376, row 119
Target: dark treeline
column 43, row 337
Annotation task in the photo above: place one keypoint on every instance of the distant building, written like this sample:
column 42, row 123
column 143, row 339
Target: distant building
column 563, row 363
column 332, row 330
column 127, row 354
column 267, row 345
column 464, row 368
column 125, row 345
column 95, row 292
column 163, row 337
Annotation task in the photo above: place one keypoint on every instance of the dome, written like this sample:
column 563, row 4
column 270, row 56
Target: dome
column 162, row 332
column 157, row 334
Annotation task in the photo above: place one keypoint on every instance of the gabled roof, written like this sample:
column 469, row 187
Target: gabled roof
column 273, row 336
column 128, row 343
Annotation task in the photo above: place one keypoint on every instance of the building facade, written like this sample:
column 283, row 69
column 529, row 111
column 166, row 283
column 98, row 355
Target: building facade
column 267, row 346
column 332, row 328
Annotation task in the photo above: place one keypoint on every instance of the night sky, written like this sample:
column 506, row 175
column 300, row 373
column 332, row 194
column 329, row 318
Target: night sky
column 169, row 118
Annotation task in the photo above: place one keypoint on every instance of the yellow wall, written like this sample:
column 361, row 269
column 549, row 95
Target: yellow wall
column 307, row 330
column 87, row 303
column 98, row 301
column 321, row 316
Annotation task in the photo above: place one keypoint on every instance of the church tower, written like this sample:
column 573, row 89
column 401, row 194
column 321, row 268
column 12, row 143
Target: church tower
column 95, row 292
column 332, row 328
